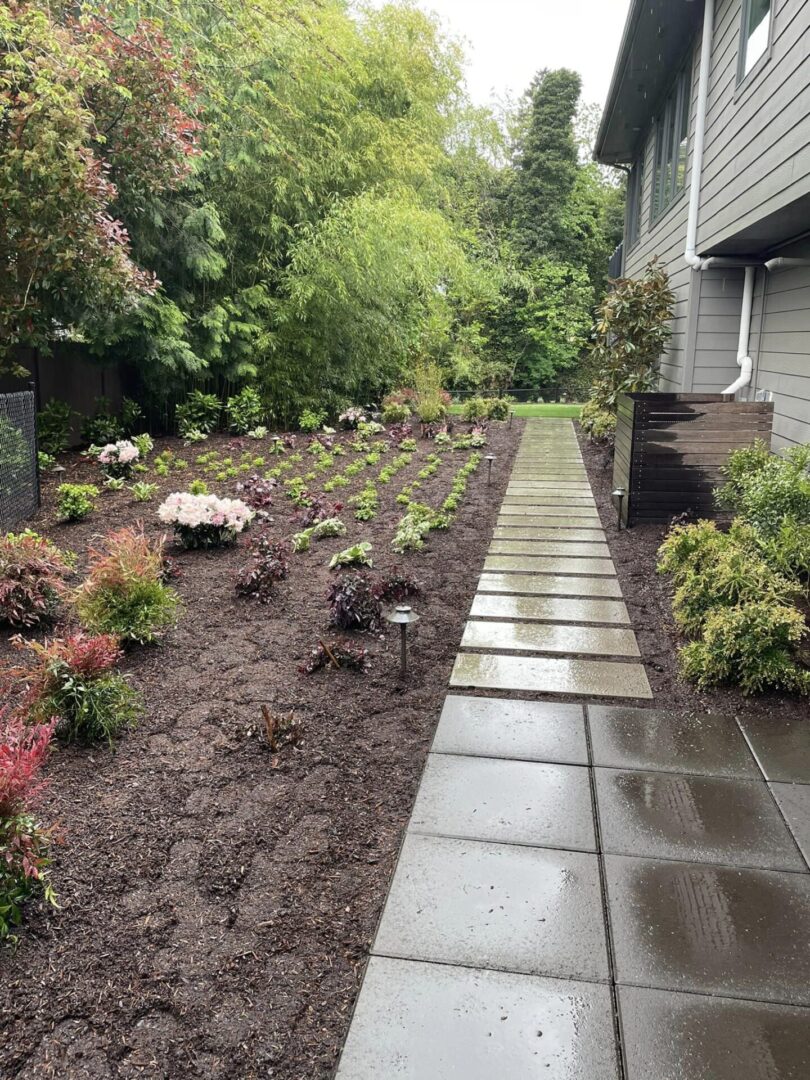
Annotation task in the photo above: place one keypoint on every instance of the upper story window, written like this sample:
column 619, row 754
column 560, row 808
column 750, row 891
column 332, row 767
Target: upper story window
column 672, row 145
column 756, row 33
column 635, row 183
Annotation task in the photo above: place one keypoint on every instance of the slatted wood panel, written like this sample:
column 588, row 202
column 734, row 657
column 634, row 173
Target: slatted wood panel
column 670, row 448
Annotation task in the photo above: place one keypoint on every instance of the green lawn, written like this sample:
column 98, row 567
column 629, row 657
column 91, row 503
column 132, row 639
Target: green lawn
column 550, row 408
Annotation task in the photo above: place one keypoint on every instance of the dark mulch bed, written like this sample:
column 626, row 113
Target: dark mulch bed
column 217, row 902
column 648, row 595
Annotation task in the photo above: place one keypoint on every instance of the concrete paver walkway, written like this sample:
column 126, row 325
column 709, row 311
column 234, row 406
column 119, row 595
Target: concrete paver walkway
column 600, row 890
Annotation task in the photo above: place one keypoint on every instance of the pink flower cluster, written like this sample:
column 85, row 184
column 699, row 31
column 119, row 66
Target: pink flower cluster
column 122, row 452
column 182, row 509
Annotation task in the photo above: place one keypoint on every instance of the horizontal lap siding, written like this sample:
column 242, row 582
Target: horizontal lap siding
column 783, row 357
column 718, row 296
column 757, row 156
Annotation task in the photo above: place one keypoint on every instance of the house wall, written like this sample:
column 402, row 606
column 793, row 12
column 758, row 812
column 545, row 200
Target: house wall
column 757, row 154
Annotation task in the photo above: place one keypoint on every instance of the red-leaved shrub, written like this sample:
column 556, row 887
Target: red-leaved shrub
column 32, row 579
column 23, row 749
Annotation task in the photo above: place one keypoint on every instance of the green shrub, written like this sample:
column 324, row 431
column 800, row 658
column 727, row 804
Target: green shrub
column 143, row 492
column 751, row 645
column 312, row 420
column 144, row 444
column 498, row 408
column 131, row 416
column 245, row 411
column 598, row 424
column 766, row 489
column 75, row 501
column 53, row 426
column 474, row 409
column 124, row 593
column 356, row 555
column 396, row 413
column 198, row 413
column 102, row 427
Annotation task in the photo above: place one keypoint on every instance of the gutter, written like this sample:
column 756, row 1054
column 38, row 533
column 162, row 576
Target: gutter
column 690, row 255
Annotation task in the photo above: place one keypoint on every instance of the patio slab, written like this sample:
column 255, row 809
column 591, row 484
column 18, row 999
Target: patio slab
column 550, row 638
column 417, row 1021
column 672, row 1036
column 544, row 675
column 549, row 609
column 782, row 748
column 566, row 536
column 794, row 802
column 549, row 585
column 505, row 728
column 550, row 521
column 551, row 498
column 507, row 802
column 535, row 911
column 529, row 513
column 549, row 547
column 710, row 929
column 695, row 818
column 659, row 740
column 518, row 564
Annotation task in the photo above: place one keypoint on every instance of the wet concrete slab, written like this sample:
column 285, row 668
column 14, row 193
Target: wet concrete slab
column 417, row 1021
column 529, row 910
column 551, row 498
column 549, row 547
column 669, row 1036
column 506, row 728
column 693, row 818
column 550, row 638
column 794, row 802
column 661, row 740
column 710, row 929
column 549, row 675
column 549, row 585
column 528, row 513
column 519, row 564
column 507, row 802
column 782, row 748
column 549, row 609
column 566, row 536
column 550, row 521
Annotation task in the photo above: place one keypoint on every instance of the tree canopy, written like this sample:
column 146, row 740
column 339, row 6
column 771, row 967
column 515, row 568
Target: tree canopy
column 292, row 193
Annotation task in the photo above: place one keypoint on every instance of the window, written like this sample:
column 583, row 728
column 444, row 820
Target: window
column 756, row 33
column 672, row 145
column 635, row 184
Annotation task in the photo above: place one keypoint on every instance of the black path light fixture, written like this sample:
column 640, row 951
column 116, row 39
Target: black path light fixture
column 402, row 616
column 618, row 497
column 489, row 459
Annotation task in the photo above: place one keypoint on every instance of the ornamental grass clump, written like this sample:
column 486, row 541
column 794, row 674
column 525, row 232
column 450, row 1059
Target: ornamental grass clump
column 24, row 842
column 205, row 521
column 33, row 574
column 116, row 459
column 269, row 564
column 124, row 593
column 72, row 681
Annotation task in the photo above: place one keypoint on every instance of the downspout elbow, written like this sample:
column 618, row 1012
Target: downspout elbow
column 744, row 378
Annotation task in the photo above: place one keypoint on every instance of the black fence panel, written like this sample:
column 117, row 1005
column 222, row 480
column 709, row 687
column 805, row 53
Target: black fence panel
column 19, row 478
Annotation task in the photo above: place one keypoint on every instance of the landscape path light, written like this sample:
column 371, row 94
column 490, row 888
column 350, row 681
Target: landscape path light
column 619, row 494
column 489, row 459
column 402, row 616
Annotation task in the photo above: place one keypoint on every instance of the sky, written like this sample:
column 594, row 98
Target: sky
column 509, row 40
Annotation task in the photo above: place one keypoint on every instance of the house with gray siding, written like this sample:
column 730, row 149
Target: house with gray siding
column 709, row 113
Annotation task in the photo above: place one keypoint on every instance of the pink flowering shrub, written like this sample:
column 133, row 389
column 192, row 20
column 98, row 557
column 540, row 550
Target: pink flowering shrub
column 202, row 521
column 24, row 842
column 117, row 459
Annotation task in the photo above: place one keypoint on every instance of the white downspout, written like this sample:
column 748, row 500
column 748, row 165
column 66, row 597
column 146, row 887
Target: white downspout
column 690, row 255
column 744, row 361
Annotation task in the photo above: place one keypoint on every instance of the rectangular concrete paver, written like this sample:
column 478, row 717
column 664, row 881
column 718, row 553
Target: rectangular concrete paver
column 417, row 1021
column 510, row 802
column 499, row 906
column 549, row 675
column 550, row 585
column 506, row 728
column 521, row 564
column 567, row 536
column 550, row 638
column 549, row 547
column 549, row 609
column 550, row 521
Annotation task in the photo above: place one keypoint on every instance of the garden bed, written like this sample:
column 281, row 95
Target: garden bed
column 648, row 596
column 217, row 900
